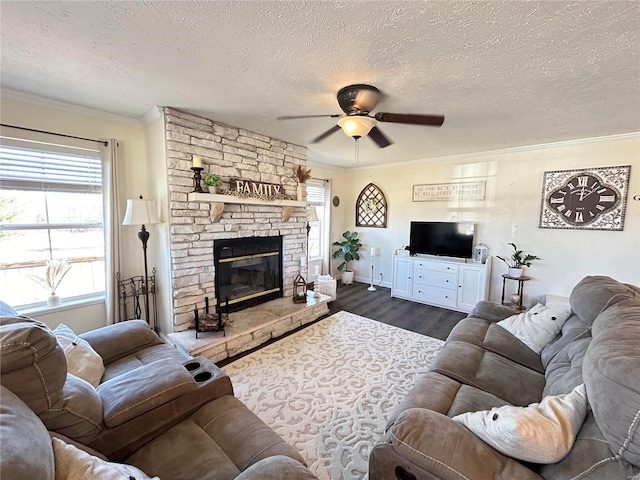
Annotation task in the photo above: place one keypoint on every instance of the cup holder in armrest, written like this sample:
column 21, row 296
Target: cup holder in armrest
column 191, row 366
column 203, row 376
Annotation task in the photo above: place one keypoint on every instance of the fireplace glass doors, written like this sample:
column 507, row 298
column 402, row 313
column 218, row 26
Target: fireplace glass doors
column 248, row 271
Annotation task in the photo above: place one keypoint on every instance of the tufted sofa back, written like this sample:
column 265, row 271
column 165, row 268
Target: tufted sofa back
column 33, row 366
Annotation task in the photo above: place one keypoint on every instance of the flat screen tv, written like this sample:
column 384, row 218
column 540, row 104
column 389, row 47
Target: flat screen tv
column 448, row 239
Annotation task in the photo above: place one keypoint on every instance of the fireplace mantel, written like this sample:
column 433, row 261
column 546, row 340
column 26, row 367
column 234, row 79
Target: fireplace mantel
column 217, row 203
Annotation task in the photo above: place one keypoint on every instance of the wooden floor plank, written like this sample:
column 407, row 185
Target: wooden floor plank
column 432, row 321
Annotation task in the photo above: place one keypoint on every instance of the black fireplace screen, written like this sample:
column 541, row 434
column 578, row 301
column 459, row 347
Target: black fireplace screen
column 247, row 271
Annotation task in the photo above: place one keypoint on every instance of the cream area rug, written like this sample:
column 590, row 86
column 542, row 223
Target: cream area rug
column 329, row 389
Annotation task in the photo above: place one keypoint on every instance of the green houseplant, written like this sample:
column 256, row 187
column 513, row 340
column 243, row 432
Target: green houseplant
column 517, row 261
column 213, row 181
column 348, row 251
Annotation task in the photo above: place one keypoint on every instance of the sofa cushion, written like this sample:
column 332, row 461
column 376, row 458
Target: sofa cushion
column 594, row 294
column 589, row 459
column 75, row 464
column 32, row 363
column 142, row 357
column 474, row 366
column 77, row 413
column 536, row 327
column 541, row 432
column 573, row 329
column 224, row 438
column 564, row 372
column 82, row 360
column 25, row 449
column 611, row 367
column 491, row 337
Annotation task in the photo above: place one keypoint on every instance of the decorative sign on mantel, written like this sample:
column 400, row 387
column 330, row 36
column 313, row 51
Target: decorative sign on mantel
column 445, row 192
column 259, row 189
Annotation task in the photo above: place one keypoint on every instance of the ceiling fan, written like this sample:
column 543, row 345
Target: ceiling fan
column 357, row 102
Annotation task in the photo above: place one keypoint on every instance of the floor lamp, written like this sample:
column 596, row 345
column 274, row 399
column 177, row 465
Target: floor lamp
column 373, row 256
column 142, row 212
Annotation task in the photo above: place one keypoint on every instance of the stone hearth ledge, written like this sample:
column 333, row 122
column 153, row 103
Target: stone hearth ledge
column 252, row 327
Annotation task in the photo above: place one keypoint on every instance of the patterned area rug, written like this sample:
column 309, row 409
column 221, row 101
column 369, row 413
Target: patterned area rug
column 329, row 389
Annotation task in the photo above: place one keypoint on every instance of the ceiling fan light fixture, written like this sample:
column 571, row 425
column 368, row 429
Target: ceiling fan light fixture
column 357, row 126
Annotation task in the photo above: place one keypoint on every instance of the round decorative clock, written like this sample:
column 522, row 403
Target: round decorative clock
column 591, row 198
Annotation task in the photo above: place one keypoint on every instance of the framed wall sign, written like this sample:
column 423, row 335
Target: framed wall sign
column 445, row 192
column 586, row 198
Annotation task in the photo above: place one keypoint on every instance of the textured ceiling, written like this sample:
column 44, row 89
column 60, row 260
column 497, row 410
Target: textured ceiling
column 505, row 74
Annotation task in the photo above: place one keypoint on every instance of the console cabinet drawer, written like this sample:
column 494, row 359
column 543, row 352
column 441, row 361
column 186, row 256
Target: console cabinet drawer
column 435, row 295
column 435, row 278
column 437, row 266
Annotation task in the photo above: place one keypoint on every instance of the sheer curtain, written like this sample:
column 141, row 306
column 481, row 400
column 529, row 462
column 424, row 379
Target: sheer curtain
column 112, row 225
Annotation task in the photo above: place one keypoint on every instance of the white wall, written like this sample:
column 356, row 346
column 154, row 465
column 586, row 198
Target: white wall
column 510, row 212
column 133, row 178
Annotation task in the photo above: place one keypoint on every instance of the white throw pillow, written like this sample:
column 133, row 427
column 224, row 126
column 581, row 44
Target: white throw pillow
column 82, row 360
column 75, row 464
column 541, row 433
column 537, row 327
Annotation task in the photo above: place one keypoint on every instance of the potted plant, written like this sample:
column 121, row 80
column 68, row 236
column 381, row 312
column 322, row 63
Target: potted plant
column 348, row 250
column 517, row 261
column 53, row 275
column 213, row 181
column 301, row 175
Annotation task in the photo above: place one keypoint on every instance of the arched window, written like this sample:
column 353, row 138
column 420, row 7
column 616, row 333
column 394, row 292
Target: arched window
column 371, row 208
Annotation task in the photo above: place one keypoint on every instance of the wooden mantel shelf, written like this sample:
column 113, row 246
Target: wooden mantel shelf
column 217, row 203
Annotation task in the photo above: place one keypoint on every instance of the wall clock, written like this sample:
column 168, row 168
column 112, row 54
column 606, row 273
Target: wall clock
column 587, row 198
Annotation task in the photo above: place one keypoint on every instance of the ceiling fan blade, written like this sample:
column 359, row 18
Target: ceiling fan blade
column 333, row 129
column 292, row 117
column 412, row 119
column 378, row 137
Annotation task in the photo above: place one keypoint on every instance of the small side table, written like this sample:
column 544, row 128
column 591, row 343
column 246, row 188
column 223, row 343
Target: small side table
column 520, row 281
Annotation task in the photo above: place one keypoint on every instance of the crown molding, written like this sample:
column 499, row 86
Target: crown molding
column 527, row 148
column 151, row 115
column 25, row 97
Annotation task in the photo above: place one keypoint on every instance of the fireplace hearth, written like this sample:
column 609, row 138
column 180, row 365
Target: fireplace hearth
column 248, row 272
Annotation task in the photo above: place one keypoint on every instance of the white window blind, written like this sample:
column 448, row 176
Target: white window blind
column 315, row 192
column 28, row 169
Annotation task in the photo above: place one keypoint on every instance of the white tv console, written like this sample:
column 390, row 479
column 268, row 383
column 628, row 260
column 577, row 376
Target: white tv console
column 443, row 282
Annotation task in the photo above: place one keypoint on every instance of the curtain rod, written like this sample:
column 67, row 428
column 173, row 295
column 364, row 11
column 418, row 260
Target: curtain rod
column 104, row 142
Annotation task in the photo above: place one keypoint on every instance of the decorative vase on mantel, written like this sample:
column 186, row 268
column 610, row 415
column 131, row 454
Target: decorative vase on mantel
column 300, row 192
column 515, row 272
column 213, row 189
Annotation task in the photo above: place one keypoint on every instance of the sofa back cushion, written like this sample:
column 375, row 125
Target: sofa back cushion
column 610, row 372
column 594, row 294
column 32, row 364
column 564, row 372
column 573, row 329
column 25, row 449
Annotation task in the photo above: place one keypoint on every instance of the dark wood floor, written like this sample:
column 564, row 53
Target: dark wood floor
column 432, row 321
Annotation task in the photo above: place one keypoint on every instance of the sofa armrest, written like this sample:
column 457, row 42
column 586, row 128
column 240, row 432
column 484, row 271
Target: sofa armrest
column 276, row 468
column 428, row 444
column 490, row 311
column 141, row 390
column 121, row 339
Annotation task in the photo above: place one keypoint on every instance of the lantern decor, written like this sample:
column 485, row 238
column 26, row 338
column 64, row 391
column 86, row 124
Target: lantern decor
column 299, row 289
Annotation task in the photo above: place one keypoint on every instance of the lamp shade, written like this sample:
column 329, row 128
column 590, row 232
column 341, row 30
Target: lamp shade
column 141, row 212
column 356, row 125
column 312, row 214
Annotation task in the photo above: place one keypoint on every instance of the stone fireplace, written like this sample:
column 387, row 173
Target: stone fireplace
column 195, row 228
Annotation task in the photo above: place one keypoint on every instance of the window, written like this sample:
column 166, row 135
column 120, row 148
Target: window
column 51, row 208
column 316, row 199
